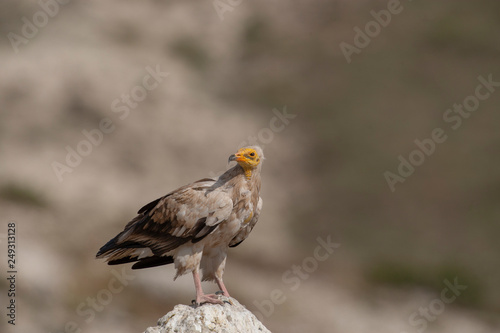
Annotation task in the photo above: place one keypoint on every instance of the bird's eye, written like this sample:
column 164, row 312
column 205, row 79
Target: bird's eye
column 252, row 154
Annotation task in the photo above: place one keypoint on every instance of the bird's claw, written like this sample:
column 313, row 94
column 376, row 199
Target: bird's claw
column 226, row 299
column 210, row 298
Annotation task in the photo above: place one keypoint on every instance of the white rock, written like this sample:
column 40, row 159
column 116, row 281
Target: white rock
column 227, row 318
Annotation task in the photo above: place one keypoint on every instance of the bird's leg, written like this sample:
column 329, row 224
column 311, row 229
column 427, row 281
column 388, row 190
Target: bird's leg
column 200, row 296
column 222, row 287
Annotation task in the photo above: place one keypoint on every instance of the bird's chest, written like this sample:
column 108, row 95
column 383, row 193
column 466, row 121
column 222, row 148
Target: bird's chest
column 243, row 211
column 244, row 205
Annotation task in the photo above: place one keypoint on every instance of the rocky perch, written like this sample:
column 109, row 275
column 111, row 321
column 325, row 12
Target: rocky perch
column 227, row 318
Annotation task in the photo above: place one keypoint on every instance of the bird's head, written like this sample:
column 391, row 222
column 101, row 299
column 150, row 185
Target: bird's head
column 248, row 158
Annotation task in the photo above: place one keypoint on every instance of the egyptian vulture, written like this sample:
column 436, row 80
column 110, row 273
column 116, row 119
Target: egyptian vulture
column 194, row 225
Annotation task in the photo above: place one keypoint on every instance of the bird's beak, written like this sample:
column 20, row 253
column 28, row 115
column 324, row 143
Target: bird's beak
column 235, row 157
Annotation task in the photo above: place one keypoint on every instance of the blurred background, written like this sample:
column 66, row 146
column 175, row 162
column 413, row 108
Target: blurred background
column 92, row 127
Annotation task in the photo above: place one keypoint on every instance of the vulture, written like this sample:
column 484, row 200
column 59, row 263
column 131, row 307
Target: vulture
column 193, row 226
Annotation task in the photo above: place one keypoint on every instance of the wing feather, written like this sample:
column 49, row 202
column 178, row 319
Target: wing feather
column 245, row 230
column 189, row 213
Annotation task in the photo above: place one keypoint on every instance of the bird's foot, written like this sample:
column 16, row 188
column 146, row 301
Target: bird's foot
column 209, row 298
column 222, row 293
column 226, row 297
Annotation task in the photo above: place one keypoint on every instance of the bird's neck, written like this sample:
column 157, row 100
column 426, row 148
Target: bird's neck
column 248, row 172
column 251, row 176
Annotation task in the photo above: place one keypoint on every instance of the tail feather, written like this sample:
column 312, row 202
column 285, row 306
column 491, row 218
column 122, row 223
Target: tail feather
column 112, row 246
column 135, row 244
column 127, row 252
column 153, row 262
column 123, row 260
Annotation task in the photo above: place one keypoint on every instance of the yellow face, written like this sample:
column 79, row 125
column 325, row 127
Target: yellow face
column 246, row 157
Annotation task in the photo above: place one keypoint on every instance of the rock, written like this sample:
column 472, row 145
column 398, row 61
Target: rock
column 227, row 318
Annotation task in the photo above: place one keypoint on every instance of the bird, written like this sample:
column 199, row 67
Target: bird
column 193, row 226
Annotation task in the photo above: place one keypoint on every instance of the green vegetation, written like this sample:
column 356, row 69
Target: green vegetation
column 432, row 278
column 192, row 52
column 23, row 195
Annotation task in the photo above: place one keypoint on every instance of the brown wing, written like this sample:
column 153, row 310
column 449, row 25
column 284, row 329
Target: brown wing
column 189, row 213
column 246, row 229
